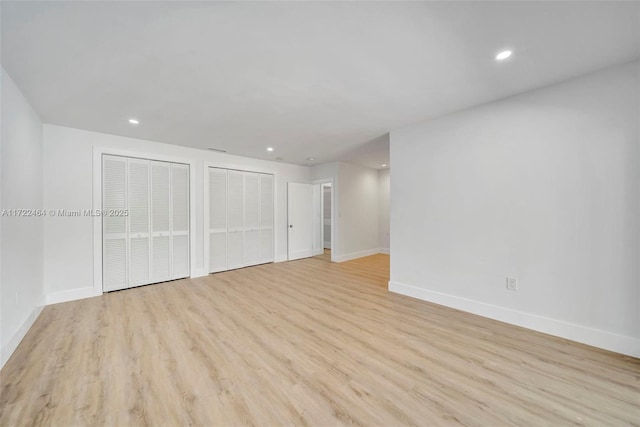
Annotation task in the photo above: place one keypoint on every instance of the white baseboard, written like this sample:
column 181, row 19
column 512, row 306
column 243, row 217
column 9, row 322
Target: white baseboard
column 70, row 295
column 623, row 344
column 13, row 343
column 89, row 292
column 281, row 258
column 199, row 273
column 384, row 251
column 354, row 255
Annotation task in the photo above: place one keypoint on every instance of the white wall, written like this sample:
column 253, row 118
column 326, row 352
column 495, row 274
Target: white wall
column 68, row 171
column 358, row 213
column 326, row 171
column 21, row 274
column 543, row 187
column 383, row 207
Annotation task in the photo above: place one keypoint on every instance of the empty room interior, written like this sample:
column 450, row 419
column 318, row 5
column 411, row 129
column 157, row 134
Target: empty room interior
column 320, row 213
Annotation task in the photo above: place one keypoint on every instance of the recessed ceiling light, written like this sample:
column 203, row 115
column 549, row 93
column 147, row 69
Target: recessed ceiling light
column 134, row 121
column 384, row 165
column 503, row 55
column 269, row 148
column 311, row 159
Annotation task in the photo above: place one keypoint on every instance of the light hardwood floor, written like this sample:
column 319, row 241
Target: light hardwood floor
column 302, row 343
column 326, row 255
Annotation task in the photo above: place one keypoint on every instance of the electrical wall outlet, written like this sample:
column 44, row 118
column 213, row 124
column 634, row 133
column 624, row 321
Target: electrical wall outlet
column 512, row 284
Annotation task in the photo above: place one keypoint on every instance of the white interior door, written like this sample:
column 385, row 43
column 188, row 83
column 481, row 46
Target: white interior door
column 300, row 220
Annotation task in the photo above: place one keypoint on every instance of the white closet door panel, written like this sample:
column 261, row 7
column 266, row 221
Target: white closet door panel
column 217, row 220
column 114, row 228
column 235, row 201
column 160, row 196
column 138, row 205
column 266, row 218
column 160, row 221
column 139, row 261
column 217, row 198
column 251, row 200
column 138, row 196
column 179, row 221
column 217, row 251
column 180, row 197
column 251, row 247
column 266, row 200
column 114, row 193
column 160, row 259
column 266, row 245
column 251, row 218
column 235, row 244
column 180, row 257
column 114, row 264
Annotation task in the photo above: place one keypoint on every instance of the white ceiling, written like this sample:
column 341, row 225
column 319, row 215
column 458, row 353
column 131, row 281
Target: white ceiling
column 324, row 79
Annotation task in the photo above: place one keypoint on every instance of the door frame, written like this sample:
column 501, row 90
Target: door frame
column 334, row 214
column 98, row 152
column 316, row 214
column 322, row 200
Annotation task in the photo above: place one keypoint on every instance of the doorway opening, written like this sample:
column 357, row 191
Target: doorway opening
column 310, row 216
column 326, row 222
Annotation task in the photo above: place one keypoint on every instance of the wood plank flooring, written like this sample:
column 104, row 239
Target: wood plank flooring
column 326, row 255
column 302, row 343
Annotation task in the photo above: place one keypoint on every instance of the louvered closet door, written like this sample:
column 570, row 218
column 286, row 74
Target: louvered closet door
column 160, row 215
column 235, row 219
column 139, row 237
column 251, row 218
column 217, row 220
column 114, row 228
column 266, row 218
column 179, row 221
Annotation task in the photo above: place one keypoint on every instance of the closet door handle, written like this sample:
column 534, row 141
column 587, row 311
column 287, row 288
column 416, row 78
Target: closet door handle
column 290, row 226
